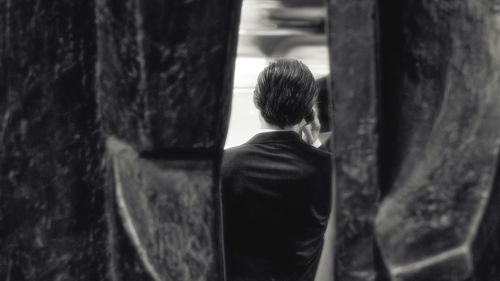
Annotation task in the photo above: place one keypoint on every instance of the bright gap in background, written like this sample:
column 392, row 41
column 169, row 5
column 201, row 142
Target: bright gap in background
column 271, row 29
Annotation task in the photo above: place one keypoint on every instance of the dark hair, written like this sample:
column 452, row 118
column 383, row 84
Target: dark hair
column 285, row 93
column 323, row 99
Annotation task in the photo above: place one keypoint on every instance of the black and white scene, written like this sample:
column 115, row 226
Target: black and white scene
column 249, row 140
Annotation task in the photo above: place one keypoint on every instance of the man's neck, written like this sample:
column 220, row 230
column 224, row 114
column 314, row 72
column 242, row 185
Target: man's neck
column 266, row 126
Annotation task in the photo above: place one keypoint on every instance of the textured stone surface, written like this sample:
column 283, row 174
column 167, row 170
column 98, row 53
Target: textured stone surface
column 50, row 200
column 169, row 209
column 164, row 81
column 352, row 51
column 441, row 109
column 165, row 71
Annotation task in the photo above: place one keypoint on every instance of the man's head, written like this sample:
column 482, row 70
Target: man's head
column 286, row 93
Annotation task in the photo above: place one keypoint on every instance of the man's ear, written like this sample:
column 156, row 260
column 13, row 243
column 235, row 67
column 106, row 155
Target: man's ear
column 309, row 116
column 302, row 123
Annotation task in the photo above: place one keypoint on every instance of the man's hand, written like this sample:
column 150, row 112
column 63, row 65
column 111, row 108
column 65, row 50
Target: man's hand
column 310, row 132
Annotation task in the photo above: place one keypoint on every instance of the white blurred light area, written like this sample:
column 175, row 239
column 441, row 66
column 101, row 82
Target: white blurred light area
column 258, row 33
column 244, row 122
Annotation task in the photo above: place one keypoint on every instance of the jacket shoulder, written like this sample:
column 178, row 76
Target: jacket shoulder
column 231, row 156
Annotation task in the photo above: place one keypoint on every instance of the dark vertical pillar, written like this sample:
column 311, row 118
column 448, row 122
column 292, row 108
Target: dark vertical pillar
column 353, row 46
column 441, row 108
column 50, row 200
column 164, row 80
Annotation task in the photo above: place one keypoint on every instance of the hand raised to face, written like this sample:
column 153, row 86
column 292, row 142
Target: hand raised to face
column 310, row 131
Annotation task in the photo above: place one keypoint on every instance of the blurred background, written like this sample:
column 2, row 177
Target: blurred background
column 271, row 29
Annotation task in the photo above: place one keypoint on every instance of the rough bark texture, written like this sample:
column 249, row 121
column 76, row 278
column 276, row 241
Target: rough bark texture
column 352, row 41
column 169, row 210
column 164, row 71
column 164, row 80
column 441, row 136
column 50, row 201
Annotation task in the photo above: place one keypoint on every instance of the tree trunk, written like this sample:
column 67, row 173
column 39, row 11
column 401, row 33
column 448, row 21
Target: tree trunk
column 51, row 200
column 164, row 81
column 441, row 135
column 353, row 53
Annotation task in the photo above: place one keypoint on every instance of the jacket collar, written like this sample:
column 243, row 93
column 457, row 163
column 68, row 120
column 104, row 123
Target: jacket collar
column 276, row 136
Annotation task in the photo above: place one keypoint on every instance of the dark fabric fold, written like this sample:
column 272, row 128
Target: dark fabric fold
column 276, row 201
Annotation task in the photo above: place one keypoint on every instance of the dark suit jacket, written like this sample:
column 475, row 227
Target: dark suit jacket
column 276, row 202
